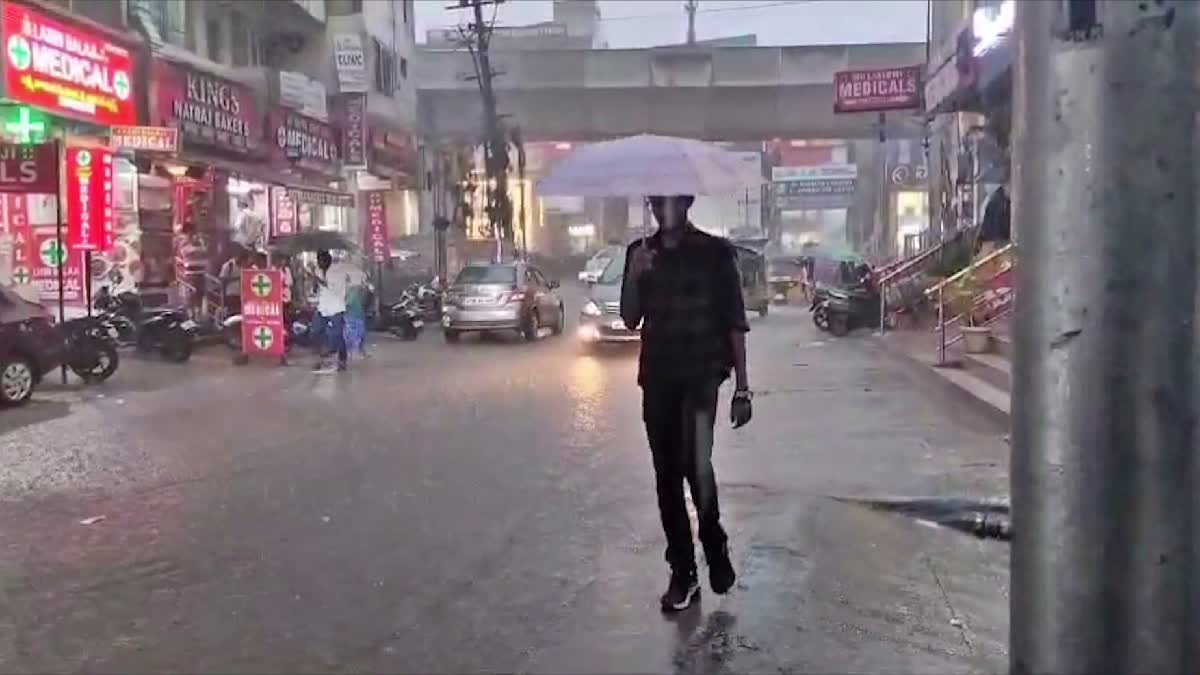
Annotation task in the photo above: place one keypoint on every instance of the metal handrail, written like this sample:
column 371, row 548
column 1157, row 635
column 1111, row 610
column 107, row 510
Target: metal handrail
column 969, row 269
column 911, row 263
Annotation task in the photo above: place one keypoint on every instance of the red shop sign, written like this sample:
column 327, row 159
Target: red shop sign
column 64, row 69
column 303, row 141
column 29, row 168
column 89, row 198
column 283, row 212
column 50, row 255
column 877, row 90
column 377, row 228
column 262, row 312
column 207, row 110
column 16, row 223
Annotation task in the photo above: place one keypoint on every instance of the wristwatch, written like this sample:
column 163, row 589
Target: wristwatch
column 743, row 394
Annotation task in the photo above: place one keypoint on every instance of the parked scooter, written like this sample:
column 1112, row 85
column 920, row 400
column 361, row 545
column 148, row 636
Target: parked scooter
column 403, row 319
column 167, row 331
column 90, row 348
column 845, row 309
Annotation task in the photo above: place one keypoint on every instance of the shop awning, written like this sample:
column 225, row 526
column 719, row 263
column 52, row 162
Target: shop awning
column 262, row 173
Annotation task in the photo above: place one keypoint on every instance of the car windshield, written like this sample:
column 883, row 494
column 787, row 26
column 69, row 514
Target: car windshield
column 614, row 271
column 488, row 274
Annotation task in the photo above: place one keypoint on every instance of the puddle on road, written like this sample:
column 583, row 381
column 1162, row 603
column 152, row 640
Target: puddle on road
column 980, row 517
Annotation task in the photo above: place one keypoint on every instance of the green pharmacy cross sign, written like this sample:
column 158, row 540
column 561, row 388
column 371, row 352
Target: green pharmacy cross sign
column 53, row 254
column 22, row 124
column 264, row 337
column 261, row 285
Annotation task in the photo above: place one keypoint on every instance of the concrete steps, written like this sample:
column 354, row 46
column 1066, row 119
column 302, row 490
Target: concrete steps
column 984, row 380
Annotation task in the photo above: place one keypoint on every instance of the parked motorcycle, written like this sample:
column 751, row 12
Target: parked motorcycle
column 90, row 348
column 167, row 331
column 846, row 309
column 403, row 319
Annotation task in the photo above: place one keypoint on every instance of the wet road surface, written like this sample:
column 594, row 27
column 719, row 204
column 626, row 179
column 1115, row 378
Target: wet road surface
column 487, row 506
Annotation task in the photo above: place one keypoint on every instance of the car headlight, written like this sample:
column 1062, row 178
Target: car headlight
column 591, row 309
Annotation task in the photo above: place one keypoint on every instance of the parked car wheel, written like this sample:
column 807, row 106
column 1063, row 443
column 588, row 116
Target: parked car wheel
column 17, row 380
column 561, row 324
column 821, row 318
column 532, row 324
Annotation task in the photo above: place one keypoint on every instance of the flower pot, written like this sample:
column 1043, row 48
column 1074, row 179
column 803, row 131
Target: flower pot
column 977, row 339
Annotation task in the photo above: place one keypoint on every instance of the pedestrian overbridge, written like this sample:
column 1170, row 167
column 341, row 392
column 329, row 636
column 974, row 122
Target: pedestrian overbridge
column 712, row 93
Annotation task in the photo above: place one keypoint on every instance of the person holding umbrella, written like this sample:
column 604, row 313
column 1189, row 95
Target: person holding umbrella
column 681, row 286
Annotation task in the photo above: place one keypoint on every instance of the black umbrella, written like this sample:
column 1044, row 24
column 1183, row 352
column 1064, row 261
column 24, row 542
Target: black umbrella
column 312, row 240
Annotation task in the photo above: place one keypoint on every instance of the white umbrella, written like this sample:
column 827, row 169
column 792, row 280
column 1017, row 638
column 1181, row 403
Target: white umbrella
column 649, row 165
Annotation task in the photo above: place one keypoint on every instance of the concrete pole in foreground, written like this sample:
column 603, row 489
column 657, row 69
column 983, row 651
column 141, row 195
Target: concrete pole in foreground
column 1104, row 480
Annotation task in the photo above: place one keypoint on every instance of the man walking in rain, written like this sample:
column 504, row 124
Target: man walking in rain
column 682, row 286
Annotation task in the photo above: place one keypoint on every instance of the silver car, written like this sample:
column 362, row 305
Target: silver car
column 502, row 297
column 600, row 318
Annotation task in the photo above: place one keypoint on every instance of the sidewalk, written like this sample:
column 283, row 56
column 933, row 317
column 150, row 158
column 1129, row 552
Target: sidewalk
column 828, row 586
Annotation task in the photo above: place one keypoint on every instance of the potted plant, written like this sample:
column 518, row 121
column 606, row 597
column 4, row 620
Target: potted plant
column 977, row 339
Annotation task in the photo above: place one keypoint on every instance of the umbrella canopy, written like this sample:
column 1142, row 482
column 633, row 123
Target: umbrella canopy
column 649, row 165
column 312, row 240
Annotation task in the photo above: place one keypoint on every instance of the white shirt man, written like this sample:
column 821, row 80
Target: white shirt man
column 331, row 298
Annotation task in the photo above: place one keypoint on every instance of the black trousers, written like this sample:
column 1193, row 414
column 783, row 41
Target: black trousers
column 679, row 419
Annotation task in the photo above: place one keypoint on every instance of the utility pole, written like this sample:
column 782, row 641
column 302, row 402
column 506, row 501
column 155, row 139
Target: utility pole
column 1104, row 469
column 518, row 142
column 495, row 147
column 690, row 7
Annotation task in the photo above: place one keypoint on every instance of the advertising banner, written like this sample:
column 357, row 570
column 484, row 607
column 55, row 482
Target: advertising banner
column 67, row 70
column 50, row 256
column 350, row 62
column 354, row 131
column 262, row 313
column 283, row 213
column 89, row 199
column 877, row 90
column 208, row 110
column 144, row 139
column 29, row 168
column 377, row 228
column 303, row 141
column 814, row 187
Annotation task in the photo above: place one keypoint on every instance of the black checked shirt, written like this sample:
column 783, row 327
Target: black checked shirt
column 689, row 304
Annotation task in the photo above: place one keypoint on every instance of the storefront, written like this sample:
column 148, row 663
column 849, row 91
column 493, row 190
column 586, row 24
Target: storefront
column 969, row 103
column 66, row 80
column 307, row 154
column 392, row 156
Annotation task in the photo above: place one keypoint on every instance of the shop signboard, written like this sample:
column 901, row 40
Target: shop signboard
column 354, row 131
column 144, row 139
column 378, row 244
column 877, row 90
column 321, row 197
column 65, row 69
column 284, row 216
column 50, row 255
column 350, row 62
column 814, row 187
column 89, row 198
column 208, row 110
column 302, row 141
column 262, row 313
column 19, row 226
column 303, row 94
column 908, row 175
column 29, row 168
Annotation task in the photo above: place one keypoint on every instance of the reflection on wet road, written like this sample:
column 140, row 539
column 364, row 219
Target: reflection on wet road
column 487, row 506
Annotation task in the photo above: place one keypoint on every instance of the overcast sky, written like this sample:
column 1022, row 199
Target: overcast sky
column 644, row 23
